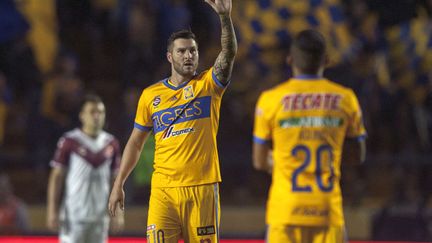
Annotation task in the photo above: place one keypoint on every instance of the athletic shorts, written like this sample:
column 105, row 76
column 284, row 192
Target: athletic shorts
column 84, row 232
column 191, row 213
column 306, row 234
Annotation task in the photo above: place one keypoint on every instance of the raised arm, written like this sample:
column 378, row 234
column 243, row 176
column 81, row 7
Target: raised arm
column 225, row 60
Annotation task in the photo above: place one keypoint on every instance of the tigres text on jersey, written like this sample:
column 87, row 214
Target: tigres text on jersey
column 185, row 122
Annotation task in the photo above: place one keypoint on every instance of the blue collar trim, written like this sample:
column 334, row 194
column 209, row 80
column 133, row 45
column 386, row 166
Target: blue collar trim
column 308, row 76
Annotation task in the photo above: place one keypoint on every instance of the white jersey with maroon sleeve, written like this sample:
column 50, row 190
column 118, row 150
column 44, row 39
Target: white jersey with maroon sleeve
column 90, row 163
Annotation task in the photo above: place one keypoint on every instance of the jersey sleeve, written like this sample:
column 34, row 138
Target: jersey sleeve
column 115, row 164
column 356, row 127
column 213, row 83
column 143, row 119
column 62, row 153
column 262, row 125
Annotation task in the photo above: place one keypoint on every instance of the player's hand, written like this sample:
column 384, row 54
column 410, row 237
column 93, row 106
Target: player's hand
column 116, row 200
column 52, row 222
column 117, row 223
column 221, row 7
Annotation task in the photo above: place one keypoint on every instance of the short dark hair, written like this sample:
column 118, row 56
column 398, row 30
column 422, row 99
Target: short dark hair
column 181, row 34
column 308, row 51
column 90, row 98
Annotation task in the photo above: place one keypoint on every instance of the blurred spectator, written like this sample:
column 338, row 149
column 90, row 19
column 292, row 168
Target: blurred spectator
column 42, row 35
column 13, row 212
column 5, row 99
column 62, row 91
column 59, row 105
column 140, row 46
column 16, row 56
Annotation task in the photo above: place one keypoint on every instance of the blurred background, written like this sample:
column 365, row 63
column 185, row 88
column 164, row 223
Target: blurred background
column 54, row 51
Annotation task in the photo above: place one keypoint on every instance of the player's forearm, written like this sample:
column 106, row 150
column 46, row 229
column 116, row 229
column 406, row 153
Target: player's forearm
column 225, row 61
column 130, row 158
column 55, row 186
column 228, row 37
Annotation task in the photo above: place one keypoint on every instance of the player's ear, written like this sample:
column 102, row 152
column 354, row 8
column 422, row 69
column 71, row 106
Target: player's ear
column 169, row 57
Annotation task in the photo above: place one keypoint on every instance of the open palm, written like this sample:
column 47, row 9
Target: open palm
column 220, row 6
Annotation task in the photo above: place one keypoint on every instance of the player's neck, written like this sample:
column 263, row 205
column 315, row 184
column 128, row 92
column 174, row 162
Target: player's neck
column 93, row 133
column 178, row 79
column 299, row 73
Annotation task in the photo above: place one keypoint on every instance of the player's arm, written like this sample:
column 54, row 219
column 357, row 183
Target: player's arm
column 129, row 160
column 261, row 156
column 55, row 188
column 354, row 151
column 223, row 66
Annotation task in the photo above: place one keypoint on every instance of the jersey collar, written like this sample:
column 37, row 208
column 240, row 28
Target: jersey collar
column 307, row 76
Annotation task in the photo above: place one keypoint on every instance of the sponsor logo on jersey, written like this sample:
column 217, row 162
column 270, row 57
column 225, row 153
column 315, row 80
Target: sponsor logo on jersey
column 188, row 92
column 206, row 230
column 82, row 151
column 312, row 101
column 170, row 132
column 192, row 110
column 156, row 101
column 311, row 122
column 310, row 211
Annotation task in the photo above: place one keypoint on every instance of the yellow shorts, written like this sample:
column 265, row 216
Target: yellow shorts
column 191, row 213
column 306, row 234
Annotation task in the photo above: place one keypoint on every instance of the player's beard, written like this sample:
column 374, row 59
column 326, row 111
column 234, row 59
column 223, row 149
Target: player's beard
column 184, row 70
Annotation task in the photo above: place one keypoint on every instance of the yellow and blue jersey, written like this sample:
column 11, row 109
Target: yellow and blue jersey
column 185, row 122
column 307, row 119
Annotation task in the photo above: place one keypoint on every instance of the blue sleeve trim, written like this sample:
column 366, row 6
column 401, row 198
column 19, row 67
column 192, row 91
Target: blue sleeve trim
column 142, row 128
column 361, row 137
column 260, row 140
column 219, row 83
column 358, row 138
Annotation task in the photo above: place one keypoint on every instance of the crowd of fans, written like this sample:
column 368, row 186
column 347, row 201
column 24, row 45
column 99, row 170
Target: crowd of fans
column 54, row 51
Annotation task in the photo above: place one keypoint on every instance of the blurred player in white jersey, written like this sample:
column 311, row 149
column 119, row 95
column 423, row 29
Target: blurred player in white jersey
column 84, row 164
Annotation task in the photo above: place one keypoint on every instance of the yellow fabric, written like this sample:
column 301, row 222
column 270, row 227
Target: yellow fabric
column 306, row 234
column 307, row 122
column 43, row 33
column 182, row 212
column 185, row 122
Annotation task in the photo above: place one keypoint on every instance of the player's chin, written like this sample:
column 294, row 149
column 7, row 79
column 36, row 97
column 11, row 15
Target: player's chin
column 189, row 70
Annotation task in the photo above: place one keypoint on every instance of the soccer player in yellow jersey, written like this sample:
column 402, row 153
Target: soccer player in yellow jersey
column 300, row 129
column 183, row 112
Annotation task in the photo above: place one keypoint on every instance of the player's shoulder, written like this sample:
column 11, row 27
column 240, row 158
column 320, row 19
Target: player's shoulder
column 157, row 85
column 73, row 134
column 110, row 138
column 203, row 73
column 338, row 87
column 69, row 138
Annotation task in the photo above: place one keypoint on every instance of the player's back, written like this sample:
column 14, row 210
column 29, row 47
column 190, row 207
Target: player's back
column 308, row 121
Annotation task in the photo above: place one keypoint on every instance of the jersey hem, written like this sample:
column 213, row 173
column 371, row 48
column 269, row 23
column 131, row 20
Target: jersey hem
column 186, row 185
